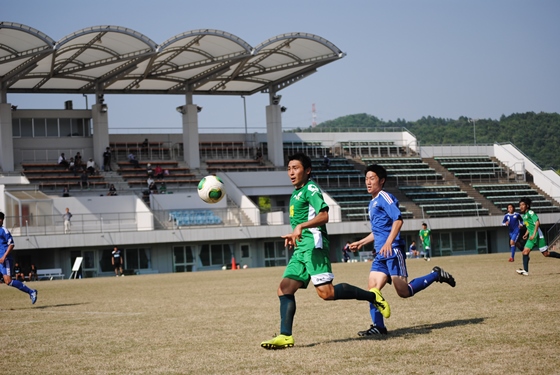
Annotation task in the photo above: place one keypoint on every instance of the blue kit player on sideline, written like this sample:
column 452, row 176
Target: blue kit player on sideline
column 6, row 261
column 514, row 222
column 389, row 265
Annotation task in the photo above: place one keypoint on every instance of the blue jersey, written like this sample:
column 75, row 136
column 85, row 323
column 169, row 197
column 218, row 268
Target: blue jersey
column 383, row 211
column 5, row 240
column 514, row 221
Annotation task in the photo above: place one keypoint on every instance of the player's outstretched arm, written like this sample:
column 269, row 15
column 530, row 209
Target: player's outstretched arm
column 364, row 241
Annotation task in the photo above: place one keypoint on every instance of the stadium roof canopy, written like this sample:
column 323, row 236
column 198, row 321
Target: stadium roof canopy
column 118, row 60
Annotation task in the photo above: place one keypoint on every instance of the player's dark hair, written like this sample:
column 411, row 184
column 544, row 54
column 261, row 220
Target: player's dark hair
column 378, row 170
column 2, row 215
column 511, row 204
column 424, row 224
column 526, row 200
column 303, row 159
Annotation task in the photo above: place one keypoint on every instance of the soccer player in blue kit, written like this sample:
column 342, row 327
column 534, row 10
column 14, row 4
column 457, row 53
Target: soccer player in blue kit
column 389, row 265
column 6, row 261
column 514, row 222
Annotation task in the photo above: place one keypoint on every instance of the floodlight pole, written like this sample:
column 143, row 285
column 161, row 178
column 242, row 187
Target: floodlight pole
column 473, row 120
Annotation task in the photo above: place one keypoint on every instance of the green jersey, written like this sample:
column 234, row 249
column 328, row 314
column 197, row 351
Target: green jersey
column 425, row 237
column 530, row 219
column 305, row 203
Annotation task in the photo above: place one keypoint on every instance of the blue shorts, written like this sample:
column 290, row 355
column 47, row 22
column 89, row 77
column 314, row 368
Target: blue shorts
column 513, row 235
column 395, row 265
column 6, row 267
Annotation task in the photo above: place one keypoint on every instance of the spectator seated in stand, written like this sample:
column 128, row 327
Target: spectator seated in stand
column 65, row 192
column 149, row 170
column 259, row 157
column 18, row 272
column 90, row 167
column 153, row 187
column 33, row 273
column 72, row 166
column 163, row 188
column 84, row 182
column 62, row 161
column 158, row 172
column 112, row 190
column 326, row 162
column 133, row 161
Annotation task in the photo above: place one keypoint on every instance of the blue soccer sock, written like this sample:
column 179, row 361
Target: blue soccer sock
column 512, row 248
column 421, row 283
column 21, row 286
column 287, row 312
column 376, row 316
column 526, row 262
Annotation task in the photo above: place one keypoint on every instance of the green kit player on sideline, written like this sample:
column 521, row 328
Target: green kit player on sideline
column 534, row 235
column 309, row 215
column 426, row 240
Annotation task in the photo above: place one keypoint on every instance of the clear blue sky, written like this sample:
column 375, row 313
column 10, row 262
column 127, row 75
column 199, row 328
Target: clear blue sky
column 405, row 59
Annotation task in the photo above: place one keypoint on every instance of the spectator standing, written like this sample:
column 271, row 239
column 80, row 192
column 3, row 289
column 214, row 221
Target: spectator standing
column 346, row 252
column 412, row 251
column 65, row 192
column 66, row 217
column 107, row 160
column 6, row 247
column 326, row 162
column 78, row 161
column 117, row 261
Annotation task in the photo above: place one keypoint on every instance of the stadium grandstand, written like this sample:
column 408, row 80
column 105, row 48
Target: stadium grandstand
column 460, row 191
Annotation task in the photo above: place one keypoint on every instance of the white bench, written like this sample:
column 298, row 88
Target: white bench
column 50, row 273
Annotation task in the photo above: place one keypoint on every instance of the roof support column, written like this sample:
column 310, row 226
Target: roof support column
column 189, row 115
column 6, row 138
column 100, row 118
column 274, row 131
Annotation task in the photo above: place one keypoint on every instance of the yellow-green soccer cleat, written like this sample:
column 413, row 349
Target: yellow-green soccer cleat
column 279, row 342
column 380, row 303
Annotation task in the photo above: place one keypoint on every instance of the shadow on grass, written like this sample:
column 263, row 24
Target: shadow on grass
column 401, row 332
column 46, row 306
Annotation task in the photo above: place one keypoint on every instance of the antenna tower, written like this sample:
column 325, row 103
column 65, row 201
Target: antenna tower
column 313, row 116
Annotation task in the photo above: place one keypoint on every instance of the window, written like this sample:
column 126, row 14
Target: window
column 52, row 127
column 39, row 127
column 16, row 131
column 26, row 127
column 65, row 127
column 137, row 259
column 215, row 255
column 275, row 254
column 183, row 259
column 77, row 127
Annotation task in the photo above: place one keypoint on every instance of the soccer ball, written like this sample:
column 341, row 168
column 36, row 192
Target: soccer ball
column 211, row 189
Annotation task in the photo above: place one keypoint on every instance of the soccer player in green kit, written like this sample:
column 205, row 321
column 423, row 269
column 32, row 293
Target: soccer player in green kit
column 309, row 215
column 426, row 240
column 534, row 235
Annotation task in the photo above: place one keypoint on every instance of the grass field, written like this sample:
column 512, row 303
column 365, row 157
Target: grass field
column 493, row 322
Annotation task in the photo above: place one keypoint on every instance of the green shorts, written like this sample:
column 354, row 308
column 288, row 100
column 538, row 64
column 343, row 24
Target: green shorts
column 539, row 241
column 313, row 265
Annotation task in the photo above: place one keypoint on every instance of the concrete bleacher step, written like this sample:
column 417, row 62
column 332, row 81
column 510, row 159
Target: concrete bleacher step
column 471, row 192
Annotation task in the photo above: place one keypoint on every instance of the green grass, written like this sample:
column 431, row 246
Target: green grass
column 493, row 322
